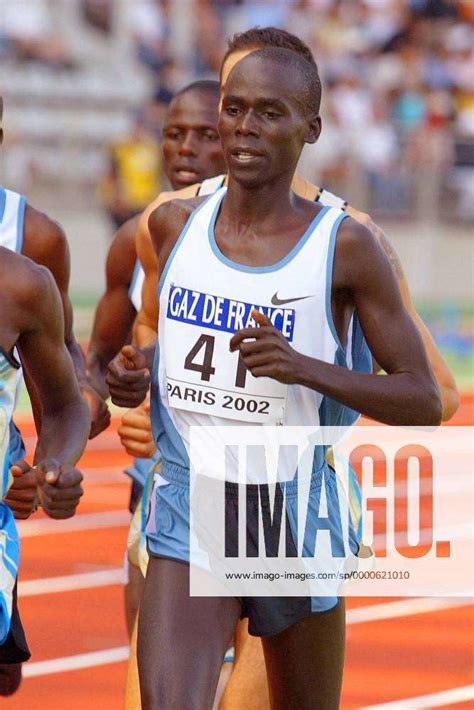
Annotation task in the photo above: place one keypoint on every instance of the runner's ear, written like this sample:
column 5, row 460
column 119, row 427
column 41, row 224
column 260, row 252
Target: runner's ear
column 313, row 128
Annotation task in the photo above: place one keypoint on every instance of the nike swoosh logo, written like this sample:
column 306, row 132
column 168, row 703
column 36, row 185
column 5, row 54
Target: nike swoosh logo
column 281, row 301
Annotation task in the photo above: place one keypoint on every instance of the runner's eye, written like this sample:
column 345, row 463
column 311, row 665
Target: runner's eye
column 211, row 136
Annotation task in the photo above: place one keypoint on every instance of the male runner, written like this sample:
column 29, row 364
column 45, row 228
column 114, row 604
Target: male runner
column 192, row 152
column 240, row 46
column 26, row 231
column 246, row 682
column 244, row 237
column 32, row 324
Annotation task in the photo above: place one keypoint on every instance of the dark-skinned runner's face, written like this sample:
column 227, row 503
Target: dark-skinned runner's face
column 263, row 127
column 192, row 150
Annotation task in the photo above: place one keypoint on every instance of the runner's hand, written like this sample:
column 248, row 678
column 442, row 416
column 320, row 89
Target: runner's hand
column 135, row 432
column 266, row 352
column 128, row 377
column 22, row 496
column 59, row 488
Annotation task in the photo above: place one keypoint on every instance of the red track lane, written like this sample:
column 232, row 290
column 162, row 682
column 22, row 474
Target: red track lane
column 386, row 660
column 100, row 688
column 72, row 553
column 406, row 657
column 78, row 631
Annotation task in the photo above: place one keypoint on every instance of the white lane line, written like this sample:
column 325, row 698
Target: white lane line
column 71, row 582
column 74, row 663
column 435, row 700
column 119, row 654
column 83, row 521
column 404, row 607
column 354, row 616
column 121, row 518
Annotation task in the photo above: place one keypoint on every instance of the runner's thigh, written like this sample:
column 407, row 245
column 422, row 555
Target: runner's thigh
column 182, row 640
column 305, row 662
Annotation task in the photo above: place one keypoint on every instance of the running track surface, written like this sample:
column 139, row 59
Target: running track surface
column 71, row 602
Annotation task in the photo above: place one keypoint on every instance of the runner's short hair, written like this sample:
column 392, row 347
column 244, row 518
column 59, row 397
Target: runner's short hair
column 205, row 85
column 262, row 37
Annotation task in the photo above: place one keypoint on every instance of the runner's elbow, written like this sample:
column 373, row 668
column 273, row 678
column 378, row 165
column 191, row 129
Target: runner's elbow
column 450, row 402
column 433, row 407
column 424, row 406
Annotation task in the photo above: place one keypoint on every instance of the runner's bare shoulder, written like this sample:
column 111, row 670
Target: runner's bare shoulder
column 167, row 222
column 26, row 287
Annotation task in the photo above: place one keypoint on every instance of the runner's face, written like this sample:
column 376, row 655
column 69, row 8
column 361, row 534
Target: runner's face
column 262, row 127
column 192, row 150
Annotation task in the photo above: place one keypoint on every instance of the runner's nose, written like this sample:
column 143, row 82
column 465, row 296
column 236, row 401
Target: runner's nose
column 248, row 125
column 189, row 144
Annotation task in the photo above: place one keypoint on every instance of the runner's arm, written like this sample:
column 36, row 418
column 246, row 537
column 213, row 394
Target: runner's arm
column 45, row 243
column 146, row 323
column 443, row 375
column 115, row 312
column 128, row 377
column 65, row 417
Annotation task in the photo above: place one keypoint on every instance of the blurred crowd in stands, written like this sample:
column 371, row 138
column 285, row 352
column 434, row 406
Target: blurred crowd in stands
column 398, row 82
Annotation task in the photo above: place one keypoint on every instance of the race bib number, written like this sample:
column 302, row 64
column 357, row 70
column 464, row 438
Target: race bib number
column 202, row 375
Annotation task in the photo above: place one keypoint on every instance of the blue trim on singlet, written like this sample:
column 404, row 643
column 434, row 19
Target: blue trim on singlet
column 17, row 445
column 167, row 438
column 131, row 288
column 329, row 271
column 261, row 269
column 354, row 488
column 140, row 467
column 6, row 468
column 10, row 562
column 361, row 355
column 9, row 526
column 10, row 358
column 330, row 411
column 10, row 567
column 178, row 243
column 146, row 499
column 229, row 655
column 3, row 202
column 20, row 225
column 333, row 413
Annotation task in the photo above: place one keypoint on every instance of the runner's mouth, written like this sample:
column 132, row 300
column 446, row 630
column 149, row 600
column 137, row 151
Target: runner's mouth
column 245, row 156
column 186, row 174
